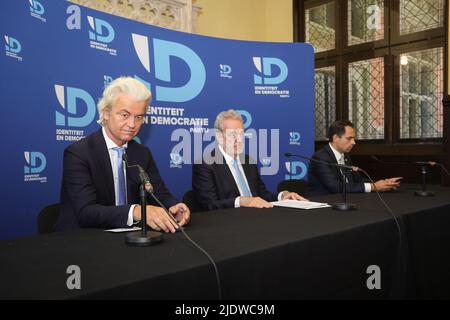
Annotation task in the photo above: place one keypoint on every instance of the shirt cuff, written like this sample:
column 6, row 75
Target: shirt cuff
column 130, row 215
column 237, row 203
column 368, row 187
column 280, row 195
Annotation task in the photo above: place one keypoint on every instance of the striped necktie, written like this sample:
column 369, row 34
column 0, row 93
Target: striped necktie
column 240, row 180
column 122, row 193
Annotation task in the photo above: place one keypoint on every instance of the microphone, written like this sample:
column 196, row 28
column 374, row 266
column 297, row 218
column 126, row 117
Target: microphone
column 421, row 193
column 342, row 166
column 343, row 206
column 347, row 206
column 420, row 163
column 142, row 238
column 145, row 179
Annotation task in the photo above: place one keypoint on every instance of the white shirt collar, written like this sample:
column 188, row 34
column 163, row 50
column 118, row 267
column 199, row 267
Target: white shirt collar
column 228, row 158
column 109, row 143
column 337, row 154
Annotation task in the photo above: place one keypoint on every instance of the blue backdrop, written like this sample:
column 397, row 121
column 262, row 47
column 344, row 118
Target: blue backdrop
column 57, row 58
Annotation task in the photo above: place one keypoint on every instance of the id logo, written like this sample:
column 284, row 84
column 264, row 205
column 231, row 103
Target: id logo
column 247, row 117
column 35, row 164
column 296, row 170
column 107, row 80
column 37, row 10
column 271, row 72
column 294, row 138
column 176, row 160
column 101, row 34
column 264, row 66
column 79, row 112
column 163, row 52
column 13, row 48
column 225, row 71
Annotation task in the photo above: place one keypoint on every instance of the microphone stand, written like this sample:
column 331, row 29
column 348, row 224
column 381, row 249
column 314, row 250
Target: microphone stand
column 423, row 169
column 424, row 192
column 344, row 206
column 143, row 238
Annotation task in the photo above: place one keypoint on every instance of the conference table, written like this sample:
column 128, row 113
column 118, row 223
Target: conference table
column 277, row 253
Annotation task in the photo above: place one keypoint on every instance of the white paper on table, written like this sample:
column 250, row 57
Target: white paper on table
column 123, row 229
column 300, row 204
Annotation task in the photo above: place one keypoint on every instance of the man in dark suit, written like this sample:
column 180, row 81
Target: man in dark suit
column 326, row 179
column 97, row 190
column 229, row 179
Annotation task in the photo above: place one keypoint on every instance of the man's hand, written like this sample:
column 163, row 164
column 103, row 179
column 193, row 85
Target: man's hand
column 255, row 202
column 293, row 196
column 157, row 218
column 181, row 213
column 387, row 184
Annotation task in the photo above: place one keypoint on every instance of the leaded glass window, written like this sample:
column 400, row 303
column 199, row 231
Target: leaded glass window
column 325, row 96
column 421, row 93
column 366, row 97
column 420, row 15
column 320, row 27
column 365, row 21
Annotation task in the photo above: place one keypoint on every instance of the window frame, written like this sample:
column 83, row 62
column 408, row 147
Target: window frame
column 390, row 47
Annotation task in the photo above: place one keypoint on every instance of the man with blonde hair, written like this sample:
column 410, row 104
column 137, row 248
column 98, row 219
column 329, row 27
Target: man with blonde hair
column 98, row 190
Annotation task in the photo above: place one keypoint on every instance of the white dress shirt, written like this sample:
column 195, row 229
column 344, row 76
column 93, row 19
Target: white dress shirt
column 228, row 160
column 113, row 157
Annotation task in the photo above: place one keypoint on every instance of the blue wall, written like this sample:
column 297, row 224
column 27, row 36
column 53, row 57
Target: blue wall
column 57, row 58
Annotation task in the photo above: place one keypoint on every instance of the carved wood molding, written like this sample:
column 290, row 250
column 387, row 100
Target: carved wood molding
column 178, row 15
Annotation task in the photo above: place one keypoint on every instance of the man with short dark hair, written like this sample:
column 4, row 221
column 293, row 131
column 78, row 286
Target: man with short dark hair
column 326, row 179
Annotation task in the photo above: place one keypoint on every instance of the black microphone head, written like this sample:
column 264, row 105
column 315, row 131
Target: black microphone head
column 148, row 186
column 143, row 175
column 288, row 154
column 125, row 158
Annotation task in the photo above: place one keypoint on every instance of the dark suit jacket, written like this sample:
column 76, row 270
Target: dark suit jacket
column 87, row 190
column 214, row 186
column 325, row 179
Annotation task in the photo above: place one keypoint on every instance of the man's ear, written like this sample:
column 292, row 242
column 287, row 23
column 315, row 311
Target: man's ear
column 335, row 136
column 106, row 113
column 219, row 135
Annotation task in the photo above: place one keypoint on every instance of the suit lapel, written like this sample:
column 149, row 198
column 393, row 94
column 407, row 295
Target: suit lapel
column 226, row 174
column 348, row 160
column 133, row 179
column 333, row 159
column 248, row 173
column 103, row 163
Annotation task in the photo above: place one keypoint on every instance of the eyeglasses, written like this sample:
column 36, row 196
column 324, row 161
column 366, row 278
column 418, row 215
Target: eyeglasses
column 233, row 134
column 125, row 116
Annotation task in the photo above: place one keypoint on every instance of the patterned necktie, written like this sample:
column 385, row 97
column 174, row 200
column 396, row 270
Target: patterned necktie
column 342, row 162
column 122, row 193
column 240, row 180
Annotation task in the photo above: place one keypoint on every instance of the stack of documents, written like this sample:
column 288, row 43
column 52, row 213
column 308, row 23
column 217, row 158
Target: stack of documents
column 117, row 230
column 300, row 204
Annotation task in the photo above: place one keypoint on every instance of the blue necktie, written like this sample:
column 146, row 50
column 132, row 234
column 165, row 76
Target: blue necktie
column 240, row 180
column 122, row 196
